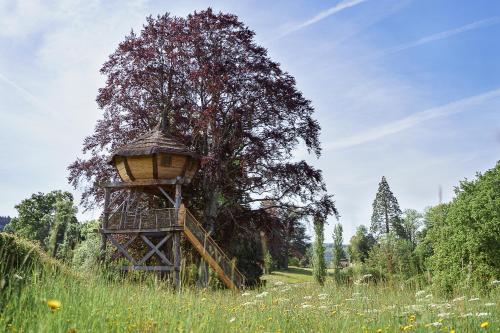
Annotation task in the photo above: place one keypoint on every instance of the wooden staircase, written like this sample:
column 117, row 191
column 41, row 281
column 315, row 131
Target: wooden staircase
column 210, row 251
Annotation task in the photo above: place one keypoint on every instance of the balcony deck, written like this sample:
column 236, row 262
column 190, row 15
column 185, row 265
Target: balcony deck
column 157, row 220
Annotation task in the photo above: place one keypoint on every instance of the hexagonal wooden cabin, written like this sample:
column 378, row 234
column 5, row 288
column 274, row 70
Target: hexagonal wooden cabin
column 155, row 155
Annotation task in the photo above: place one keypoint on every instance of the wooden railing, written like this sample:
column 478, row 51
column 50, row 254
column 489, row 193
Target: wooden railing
column 149, row 220
column 226, row 266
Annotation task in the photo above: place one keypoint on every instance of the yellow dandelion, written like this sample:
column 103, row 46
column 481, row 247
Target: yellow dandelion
column 54, row 304
column 452, row 331
column 379, row 330
column 412, row 318
column 485, row 324
column 407, row 327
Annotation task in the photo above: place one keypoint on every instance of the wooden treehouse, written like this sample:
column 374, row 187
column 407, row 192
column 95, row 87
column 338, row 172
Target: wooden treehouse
column 146, row 206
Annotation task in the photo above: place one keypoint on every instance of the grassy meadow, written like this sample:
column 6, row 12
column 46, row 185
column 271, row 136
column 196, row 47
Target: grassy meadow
column 58, row 300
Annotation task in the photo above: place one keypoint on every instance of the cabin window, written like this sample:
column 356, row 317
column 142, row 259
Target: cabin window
column 166, row 161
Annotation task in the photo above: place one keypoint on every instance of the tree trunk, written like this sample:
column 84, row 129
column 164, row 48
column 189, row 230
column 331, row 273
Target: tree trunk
column 286, row 246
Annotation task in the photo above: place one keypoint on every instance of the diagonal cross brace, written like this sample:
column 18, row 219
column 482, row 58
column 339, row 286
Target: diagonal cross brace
column 125, row 246
column 155, row 249
column 122, row 249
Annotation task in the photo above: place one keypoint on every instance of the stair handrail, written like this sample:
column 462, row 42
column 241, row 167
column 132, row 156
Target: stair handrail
column 213, row 243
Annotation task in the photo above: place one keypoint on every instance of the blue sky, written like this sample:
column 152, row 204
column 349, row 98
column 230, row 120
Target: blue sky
column 405, row 89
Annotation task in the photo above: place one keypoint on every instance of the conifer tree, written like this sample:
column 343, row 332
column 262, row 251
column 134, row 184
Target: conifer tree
column 319, row 266
column 386, row 216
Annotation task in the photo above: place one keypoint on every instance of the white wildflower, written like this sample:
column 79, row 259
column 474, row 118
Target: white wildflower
column 461, row 298
column 444, row 314
column 495, row 282
column 17, row 277
column 308, row 297
column 323, row 307
column 279, row 283
column 262, row 294
column 489, row 304
column 435, row 324
column 287, row 288
column 474, row 299
column 470, row 314
column 249, row 303
column 232, row 319
column 305, row 305
column 246, row 294
column 356, row 294
column 482, row 314
column 420, row 293
column 428, row 296
column 350, row 299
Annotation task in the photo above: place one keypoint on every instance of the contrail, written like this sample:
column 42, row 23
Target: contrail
column 29, row 96
column 324, row 14
column 441, row 35
column 412, row 120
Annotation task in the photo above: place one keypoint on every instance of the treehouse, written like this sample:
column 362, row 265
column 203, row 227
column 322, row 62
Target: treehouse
column 146, row 207
column 155, row 155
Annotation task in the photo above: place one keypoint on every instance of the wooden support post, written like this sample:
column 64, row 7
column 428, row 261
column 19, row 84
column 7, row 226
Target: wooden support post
column 176, row 243
column 176, row 249
column 104, row 224
column 178, row 195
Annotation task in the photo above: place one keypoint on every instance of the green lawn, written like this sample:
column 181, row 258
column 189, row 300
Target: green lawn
column 292, row 275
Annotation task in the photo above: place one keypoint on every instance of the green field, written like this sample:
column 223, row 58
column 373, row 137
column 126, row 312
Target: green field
column 290, row 302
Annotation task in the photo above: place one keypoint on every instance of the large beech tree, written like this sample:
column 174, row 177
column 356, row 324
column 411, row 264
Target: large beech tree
column 224, row 98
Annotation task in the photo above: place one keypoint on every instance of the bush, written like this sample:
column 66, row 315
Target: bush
column 293, row 261
column 466, row 251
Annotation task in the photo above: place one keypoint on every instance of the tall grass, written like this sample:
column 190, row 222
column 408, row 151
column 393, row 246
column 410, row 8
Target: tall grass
column 98, row 303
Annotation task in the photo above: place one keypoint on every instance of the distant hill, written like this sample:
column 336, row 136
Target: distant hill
column 4, row 220
column 328, row 252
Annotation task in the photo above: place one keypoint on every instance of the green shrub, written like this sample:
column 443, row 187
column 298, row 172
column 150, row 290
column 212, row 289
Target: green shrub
column 466, row 243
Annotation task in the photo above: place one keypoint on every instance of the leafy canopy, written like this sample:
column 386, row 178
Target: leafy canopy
column 465, row 235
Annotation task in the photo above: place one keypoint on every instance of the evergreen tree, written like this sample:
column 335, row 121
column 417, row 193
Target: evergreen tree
column 338, row 250
column 319, row 266
column 386, row 214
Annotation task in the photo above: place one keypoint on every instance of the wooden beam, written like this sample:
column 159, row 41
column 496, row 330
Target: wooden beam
column 142, row 231
column 155, row 249
column 121, row 249
column 102, row 250
column 143, row 183
column 127, row 169
column 176, row 249
column 166, row 195
column 178, row 195
column 155, row 166
column 148, row 268
column 127, row 244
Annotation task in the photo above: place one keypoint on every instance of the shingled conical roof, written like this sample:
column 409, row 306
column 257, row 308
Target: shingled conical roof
column 155, row 141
